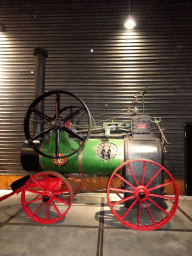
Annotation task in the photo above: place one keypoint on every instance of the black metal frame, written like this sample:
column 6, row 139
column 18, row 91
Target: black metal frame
column 188, row 189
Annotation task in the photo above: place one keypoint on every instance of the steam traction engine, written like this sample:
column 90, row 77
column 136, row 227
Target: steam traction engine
column 126, row 152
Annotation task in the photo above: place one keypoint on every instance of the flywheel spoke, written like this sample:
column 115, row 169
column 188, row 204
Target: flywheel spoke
column 49, row 119
column 74, row 134
column 57, row 141
column 57, row 106
column 42, row 133
column 73, row 114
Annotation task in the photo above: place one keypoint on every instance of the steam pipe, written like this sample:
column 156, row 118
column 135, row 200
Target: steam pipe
column 41, row 54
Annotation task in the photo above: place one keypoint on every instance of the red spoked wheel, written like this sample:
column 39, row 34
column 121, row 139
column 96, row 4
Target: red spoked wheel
column 46, row 197
column 75, row 180
column 144, row 203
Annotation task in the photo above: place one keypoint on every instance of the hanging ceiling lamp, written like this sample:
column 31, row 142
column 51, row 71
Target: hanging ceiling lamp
column 129, row 23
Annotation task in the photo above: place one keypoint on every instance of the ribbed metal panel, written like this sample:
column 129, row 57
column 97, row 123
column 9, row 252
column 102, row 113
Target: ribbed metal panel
column 93, row 56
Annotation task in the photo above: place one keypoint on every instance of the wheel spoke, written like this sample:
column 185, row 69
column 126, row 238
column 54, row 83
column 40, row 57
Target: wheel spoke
column 60, row 200
column 57, row 106
column 33, row 201
column 129, row 209
column 80, row 118
column 154, row 176
column 163, row 197
column 61, row 192
column 38, row 208
column 42, row 133
column 56, row 209
column 47, row 211
column 121, row 190
column 57, row 182
column 74, row 134
column 47, row 182
column 151, row 216
column 160, row 186
column 38, row 184
column 49, row 119
column 73, row 114
column 34, row 191
column 139, row 214
column 115, row 190
column 143, row 177
column 123, row 200
column 133, row 175
column 158, row 206
column 125, row 181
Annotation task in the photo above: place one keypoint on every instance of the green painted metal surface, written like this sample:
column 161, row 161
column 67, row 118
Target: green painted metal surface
column 85, row 161
column 66, row 146
column 93, row 164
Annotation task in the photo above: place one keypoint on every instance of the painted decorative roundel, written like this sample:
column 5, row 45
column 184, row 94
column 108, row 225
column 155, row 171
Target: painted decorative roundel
column 107, row 151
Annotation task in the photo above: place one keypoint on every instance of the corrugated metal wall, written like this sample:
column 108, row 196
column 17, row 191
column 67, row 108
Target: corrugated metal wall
column 92, row 55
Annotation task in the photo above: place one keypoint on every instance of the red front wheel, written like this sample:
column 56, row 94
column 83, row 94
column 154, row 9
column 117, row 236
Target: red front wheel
column 144, row 203
column 46, row 197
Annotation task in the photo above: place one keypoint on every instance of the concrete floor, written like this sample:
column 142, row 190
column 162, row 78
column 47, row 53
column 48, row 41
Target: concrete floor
column 84, row 232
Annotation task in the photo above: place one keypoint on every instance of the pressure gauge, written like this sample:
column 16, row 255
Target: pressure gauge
column 107, row 151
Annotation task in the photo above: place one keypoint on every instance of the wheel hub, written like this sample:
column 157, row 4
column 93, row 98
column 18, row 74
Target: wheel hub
column 45, row 198
column 141, row 193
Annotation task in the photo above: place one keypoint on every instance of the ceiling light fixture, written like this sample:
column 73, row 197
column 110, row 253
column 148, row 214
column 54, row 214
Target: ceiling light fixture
column 129, row 23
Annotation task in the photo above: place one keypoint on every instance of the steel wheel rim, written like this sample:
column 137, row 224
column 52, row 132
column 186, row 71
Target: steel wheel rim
column 140, row 201
column 47, row 201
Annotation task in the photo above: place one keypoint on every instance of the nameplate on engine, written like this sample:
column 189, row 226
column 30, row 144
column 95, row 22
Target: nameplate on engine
column 59, row 161
column 141, row 126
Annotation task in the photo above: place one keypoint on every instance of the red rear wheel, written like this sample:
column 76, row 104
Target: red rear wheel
column 46, row 197
column 144, row 203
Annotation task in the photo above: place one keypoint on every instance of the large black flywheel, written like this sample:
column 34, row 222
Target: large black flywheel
column 62, row 112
